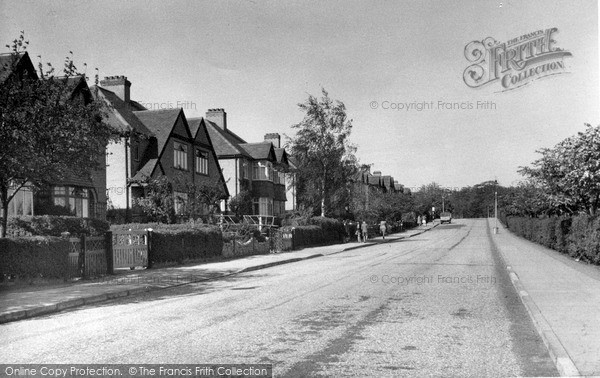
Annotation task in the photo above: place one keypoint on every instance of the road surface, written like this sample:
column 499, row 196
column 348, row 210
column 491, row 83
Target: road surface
column 438, row 304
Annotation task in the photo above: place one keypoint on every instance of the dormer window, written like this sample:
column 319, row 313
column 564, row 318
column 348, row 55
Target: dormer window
column 180, row 157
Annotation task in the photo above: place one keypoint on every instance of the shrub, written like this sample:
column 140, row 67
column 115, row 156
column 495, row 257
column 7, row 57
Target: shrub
column 562, row 229
column 307, row 235
column 49, row 225
column 333, row 229
column 176, row 245
column 34, row 257
column 178, row 242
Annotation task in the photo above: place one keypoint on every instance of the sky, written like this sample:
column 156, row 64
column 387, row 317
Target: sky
column 259, row 59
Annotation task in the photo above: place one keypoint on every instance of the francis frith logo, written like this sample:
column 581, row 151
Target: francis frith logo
column 515, row 63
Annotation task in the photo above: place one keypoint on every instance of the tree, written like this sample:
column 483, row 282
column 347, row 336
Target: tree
column 241, row 204
column 47, row 131
column 570, row 172
column 158, row 203
column 192, row 200
column 324, row 155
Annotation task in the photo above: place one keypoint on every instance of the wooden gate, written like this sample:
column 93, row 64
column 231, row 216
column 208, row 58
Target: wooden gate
column 130, row 248
column 87, row 257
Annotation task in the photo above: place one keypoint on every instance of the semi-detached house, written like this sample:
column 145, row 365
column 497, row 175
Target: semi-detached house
column 156, row 143
column 263, row 169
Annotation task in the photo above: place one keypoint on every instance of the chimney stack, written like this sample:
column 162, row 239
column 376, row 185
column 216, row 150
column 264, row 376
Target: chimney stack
column 117, row 84
column 273, row 138
column 217, row 116
column 377, row 173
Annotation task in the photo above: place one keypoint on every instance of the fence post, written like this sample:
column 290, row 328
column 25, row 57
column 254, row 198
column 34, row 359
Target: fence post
column 293, row 232
column 149, row 248
column 82, row 251
column 108, row 249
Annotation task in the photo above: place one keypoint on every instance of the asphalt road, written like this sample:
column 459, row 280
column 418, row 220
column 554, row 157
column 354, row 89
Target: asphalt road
column 438, row 304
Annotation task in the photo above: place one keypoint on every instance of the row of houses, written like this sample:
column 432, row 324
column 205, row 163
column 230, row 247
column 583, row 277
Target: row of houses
column 155, row 143
column 166, row 143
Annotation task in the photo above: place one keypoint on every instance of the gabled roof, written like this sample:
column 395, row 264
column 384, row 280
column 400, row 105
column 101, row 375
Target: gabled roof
column 160, row 123
column 281, row 155
column 146, row 171
column 260, row 151
column 225, row 142
column 194, row 124
column 8, row 66
column 122, row 117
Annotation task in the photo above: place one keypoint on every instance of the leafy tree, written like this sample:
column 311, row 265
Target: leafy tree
column 47, row 132
column 241, row 204
column 570, row 172
column 195, row 200
column 324, row 155
column 158, row 203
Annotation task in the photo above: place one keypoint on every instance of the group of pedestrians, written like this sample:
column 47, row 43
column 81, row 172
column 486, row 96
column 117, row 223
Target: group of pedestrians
column 362, row 231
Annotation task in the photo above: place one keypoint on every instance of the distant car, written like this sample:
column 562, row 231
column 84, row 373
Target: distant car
column 445, row 217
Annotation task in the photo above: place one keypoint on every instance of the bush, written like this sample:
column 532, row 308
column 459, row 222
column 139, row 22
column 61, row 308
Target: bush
column 305, row 236
column 176, row 245
column 579, row 236
column 34, row 257
column 561, row 231
column 333, row 229
column 179, row 242
column 49, row 225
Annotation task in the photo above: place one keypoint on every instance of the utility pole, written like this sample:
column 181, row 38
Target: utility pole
column 496, row 207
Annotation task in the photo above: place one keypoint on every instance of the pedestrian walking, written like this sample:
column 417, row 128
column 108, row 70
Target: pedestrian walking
column 382, row 228
column 424, row 220
column 365, row 231
column 358, row 232
column 419, row 220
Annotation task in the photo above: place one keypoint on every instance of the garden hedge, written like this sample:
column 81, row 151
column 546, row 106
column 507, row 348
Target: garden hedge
column 179, row 242
column 578, row 236
column 53, row 225
column 34, row 257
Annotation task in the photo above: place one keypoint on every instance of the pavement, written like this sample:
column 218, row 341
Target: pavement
column 562, row 297
column 18, row 302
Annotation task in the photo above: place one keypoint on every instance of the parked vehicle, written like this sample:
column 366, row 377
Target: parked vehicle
column 445, row 217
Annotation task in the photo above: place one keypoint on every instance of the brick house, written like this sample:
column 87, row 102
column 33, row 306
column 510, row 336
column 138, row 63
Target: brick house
column 83, row 196
column 156, row 143
column 260, row 168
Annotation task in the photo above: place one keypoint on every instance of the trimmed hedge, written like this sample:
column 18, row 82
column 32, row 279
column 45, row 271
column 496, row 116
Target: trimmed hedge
column 34, row 257
column 179, row 242
column 305, row 236
column 578, row 236
column 53, row 225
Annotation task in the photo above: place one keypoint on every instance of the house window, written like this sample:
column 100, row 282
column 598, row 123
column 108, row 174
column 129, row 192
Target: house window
column 22, row 202
column 180, row 156
column 246, row 169
column 136, row 152
column 263, row 206
column 180, row 201
column 73, row 198
column 262, row 170
column 202, row 162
